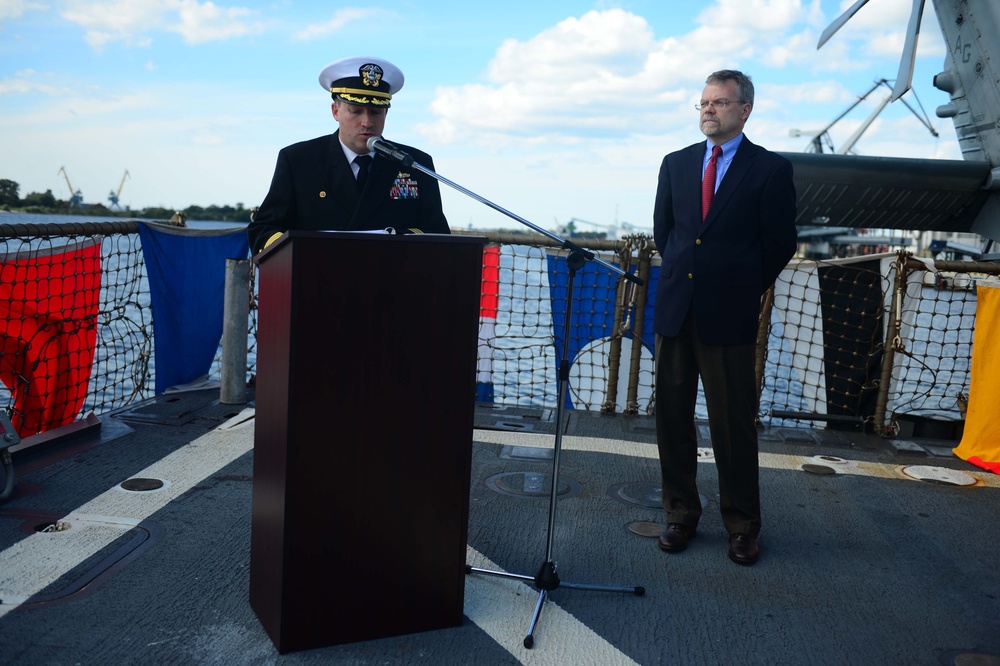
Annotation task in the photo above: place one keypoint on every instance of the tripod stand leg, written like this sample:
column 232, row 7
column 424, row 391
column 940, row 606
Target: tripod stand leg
column 546, row 578
column 637, row 590
column 529, row 640
column 501, row 574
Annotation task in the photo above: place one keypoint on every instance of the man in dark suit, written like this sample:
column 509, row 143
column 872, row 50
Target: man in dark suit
column 334, row 182
column 716, row 265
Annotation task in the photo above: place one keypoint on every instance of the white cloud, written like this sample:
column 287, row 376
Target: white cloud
column 818, row 92
column 115, row 20
column 755, row 16
column 606, row 73
column 566, row 79
column 206, row 22
column 340, row 20
column 131, row 21
column 608, row 44
column 28, row 81
column 12, row 9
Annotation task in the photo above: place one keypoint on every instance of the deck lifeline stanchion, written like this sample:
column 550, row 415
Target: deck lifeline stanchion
column 8, row 438
column 546, row 578
column 235, row 338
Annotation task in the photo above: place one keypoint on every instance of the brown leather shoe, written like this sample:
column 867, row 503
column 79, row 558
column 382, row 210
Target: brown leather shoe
column 675, row 538
column 743, row 548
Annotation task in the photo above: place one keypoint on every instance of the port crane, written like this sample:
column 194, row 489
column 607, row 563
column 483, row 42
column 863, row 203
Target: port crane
column 113, row 196
column 75, row 196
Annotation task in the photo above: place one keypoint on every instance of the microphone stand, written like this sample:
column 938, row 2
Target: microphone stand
column 546, row 579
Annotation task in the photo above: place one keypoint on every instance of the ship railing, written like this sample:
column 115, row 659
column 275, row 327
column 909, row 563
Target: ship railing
column 880, row 342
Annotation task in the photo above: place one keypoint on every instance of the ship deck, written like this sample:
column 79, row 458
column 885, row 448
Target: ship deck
column 873, row 550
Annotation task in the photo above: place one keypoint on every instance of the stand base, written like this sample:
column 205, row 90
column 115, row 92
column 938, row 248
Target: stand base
column 547, row 580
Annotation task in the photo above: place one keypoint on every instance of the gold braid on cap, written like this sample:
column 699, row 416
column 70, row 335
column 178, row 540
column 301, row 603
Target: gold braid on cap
column 366, row 96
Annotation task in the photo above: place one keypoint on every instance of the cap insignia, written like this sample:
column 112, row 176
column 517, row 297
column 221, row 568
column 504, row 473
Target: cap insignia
column 371, row 75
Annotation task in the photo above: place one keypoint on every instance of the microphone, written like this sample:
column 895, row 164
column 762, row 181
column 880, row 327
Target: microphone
column 383, row 147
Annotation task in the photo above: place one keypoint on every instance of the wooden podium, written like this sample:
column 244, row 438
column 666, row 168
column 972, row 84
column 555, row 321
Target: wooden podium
column 366, row 360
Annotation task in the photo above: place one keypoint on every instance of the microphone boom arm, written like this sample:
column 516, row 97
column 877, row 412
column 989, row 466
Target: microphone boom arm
column 546, row 579
column 564, row 243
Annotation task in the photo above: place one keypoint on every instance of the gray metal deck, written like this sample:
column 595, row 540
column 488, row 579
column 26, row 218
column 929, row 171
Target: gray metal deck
column 862, row 562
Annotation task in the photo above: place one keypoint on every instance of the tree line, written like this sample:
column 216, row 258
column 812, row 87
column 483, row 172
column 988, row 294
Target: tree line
column 46, row 203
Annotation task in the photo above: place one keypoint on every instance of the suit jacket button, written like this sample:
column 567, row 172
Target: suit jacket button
column 322, row 195
column 690, row 276
column 697, row 241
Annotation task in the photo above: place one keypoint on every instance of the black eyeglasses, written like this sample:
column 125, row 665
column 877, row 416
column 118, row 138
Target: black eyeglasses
column 717, row 103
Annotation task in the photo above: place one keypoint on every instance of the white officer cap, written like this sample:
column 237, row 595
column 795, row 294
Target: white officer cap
column 362, row 80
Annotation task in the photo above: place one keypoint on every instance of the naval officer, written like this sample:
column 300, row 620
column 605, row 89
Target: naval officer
column 334, row 182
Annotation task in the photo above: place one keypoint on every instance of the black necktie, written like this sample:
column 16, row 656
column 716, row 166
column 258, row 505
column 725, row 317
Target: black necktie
column 364, row 163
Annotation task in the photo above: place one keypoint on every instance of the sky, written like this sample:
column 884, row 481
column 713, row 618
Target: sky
column 553, row 111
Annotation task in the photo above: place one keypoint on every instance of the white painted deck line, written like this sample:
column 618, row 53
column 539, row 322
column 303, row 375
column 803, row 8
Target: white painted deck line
column 32, row 564
column 767, row 460
column 503, row 608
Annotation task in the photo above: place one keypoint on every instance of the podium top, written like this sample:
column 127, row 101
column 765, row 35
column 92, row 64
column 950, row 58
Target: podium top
column 363, row 236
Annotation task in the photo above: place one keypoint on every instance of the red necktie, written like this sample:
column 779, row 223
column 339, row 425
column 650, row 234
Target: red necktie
column 708, row 182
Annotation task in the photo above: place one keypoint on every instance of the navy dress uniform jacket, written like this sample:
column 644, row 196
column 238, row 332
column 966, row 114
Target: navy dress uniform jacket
column 722, row 266
column 314, row 188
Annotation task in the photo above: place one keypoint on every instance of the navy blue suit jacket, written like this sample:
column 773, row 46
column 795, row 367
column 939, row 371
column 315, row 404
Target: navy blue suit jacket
column 722, row 266
column 313, row 188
